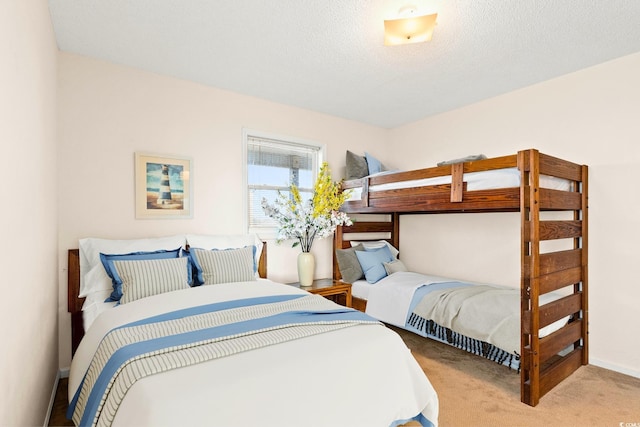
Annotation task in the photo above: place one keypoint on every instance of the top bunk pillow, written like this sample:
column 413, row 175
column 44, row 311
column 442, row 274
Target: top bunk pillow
column 93, row 276
column 374, row 165
column 356, row 166
column 470, row 158
column 232, row 241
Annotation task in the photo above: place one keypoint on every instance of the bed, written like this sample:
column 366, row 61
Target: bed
column 237, row 349
column 550, row 195
column 483, row 319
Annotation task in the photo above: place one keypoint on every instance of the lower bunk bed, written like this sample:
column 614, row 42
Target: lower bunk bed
column 479, row 318
column 549, row 310
column 482, row 319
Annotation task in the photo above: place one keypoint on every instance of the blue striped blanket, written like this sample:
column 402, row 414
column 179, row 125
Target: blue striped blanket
column 484, row 320
column 195, row 335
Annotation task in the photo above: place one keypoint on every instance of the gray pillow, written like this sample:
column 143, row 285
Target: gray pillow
column 356, row 166
column 348, row 263
column 470, row 158
column 394, row 266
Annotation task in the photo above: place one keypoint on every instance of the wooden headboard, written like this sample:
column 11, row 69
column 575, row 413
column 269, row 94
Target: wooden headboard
column 365, row 230
column 74, row 303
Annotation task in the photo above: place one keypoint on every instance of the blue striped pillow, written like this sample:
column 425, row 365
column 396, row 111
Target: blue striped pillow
column 144, row 278
column 108, row 260
column 223, row 266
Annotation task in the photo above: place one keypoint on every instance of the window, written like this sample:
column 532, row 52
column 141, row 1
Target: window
column 272, row 164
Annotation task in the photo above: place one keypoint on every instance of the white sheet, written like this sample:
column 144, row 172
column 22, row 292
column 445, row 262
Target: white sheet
column 92, row 312
column 360, row 289
column 485, row 180
column 358, row 376
column 389, row 299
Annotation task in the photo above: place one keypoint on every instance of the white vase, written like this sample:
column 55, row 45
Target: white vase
column 306, row 265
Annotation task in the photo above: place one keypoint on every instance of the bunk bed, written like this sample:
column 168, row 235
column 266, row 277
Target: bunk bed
column 457, row 188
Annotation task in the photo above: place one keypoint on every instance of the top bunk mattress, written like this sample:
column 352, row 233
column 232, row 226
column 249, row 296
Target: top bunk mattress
column 484, row 180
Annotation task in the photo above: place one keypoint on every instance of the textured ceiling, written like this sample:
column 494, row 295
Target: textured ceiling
column 328, row 55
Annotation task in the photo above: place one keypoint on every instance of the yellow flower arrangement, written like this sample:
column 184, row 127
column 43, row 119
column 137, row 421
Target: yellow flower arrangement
column 316, row 217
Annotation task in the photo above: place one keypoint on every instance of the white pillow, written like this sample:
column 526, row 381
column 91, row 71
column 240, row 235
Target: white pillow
column 97, row 297
column 374, row 244
column 91, row 313
column 223, row 241
column 90, row 249
column 96, row 280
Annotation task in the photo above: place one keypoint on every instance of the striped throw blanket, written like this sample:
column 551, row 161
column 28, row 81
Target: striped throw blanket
column 478, row 318
column 186, row 337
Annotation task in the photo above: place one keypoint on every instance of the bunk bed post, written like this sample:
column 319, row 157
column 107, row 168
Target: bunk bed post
column 457, row 182
column 528, row 164
column 395, row 233
column 365, row 191
column 583, row 243
column 337, row 244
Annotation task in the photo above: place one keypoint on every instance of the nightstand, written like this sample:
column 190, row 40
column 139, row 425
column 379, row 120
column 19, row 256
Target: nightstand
column 336, row 290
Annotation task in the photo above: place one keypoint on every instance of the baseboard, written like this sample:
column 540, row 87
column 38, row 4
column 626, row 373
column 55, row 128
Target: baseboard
column 52, row 399
column 616, row 368
column 62, row 373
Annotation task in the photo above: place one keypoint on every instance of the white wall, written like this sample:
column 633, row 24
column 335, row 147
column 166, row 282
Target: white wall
column 589, row 117
column 29, row 355
column 108, row 112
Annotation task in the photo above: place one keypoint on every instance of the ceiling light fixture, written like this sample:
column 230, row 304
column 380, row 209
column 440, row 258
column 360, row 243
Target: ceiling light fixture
column 409, row 28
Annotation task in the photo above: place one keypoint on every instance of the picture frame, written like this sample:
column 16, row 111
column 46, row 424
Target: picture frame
column 163, row 185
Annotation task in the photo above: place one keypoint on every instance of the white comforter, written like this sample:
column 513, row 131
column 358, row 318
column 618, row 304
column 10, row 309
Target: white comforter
column 358, row 376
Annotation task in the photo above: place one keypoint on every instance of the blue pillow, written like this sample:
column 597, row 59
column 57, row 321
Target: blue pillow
column 198, row 277
column 372, row 263
column 108, row 259
column 373, row 164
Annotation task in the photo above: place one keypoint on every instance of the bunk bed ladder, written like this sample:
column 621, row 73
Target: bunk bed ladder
column 545, row 362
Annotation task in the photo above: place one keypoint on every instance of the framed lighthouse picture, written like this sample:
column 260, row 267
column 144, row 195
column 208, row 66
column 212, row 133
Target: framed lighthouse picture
column 163, row 186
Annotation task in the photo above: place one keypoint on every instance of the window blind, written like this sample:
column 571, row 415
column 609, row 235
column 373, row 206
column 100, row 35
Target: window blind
column 274, row 165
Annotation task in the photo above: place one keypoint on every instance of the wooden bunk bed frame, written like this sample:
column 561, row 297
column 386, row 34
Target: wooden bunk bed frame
column 545, row 362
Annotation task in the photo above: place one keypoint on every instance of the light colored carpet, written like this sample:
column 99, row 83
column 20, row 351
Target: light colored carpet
column 477, row 392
